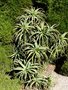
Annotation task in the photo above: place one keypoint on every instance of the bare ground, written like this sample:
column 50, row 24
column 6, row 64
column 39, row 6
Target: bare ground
column 60, row 82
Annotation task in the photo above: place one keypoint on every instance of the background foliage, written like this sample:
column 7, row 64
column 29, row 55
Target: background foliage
column 64, row 68
column 56, row 12
column 9, row 10
column 7, row 84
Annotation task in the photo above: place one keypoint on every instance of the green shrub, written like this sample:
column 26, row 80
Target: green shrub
column 9, row 10
column 13, row 8
column 5, row 62
column 56, row 12
column 64, row 68
column 7, row 84
column 8, row 49
column 5, row 30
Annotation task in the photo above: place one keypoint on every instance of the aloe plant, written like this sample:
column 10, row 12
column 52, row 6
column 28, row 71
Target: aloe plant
column 15, row 55
column 23, row 30
column 25, row 70
column 39, row 82
column 36, row 42
column 45, row 34
column 60, row 47
column 35, row 52
column 39, row 34
column 35, row 15
column 63, row 40
column 27, row 24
